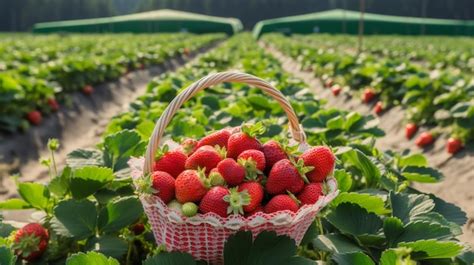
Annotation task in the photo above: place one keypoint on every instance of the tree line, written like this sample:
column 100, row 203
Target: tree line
column 21, row 15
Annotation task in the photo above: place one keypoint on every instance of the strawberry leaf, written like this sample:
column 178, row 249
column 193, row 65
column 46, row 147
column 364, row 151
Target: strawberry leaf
column 90, row 258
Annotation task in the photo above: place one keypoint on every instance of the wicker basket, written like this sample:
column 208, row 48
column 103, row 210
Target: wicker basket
column 204, row 235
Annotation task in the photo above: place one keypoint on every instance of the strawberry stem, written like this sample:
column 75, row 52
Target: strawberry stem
column 237, row 200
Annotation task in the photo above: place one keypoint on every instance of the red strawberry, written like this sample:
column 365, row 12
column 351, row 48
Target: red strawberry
column 368, row 95
column 204, row 157
column 34, row 117
column 232, row 172
column 453, row 145
column 191, row 186
column 138, row 228
column 30, row 241
column 53, row 104
column 286, row 176
column 223, row 202
column 244, row 140
column 329, row 82
column 189, row 146
column 273, row 153
column 219, row 138
column 426, row 138
column 255, row 191
column 257, row 210
column 253, row 161
column 323, row 161
column 171, row 162
column 410, row 130
column 281, row 202
column 378, row 108
column 310, row 193
column 336, row 90
column 88, row 90
column 163, row 184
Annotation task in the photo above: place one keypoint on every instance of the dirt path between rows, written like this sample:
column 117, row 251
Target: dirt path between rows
column 78, row 126
column 458, row 184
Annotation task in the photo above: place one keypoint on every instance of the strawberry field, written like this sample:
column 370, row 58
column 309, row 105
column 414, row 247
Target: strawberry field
column 233, row 152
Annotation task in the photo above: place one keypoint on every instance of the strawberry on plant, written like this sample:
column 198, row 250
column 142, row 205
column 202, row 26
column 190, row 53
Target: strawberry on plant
column 253, row 161
column 189, row 146
column 322, row 160
column 410, row 130
column 219, row 138
column 426, row 138
column 191, row 186
column 244, row 140
column 163, row 185
column 205, row 157
column 310, row 193
column 88, row 90
column 282, row 202
column 232, row 172
column 453, row 145
column 336, row 90
column 53, row 104
column 378, row 108
column 34, row 117
column 273, row 153
column 30, row 241
column 255, row 191
column 287, row 176
column 171, row 162
column 368, row 95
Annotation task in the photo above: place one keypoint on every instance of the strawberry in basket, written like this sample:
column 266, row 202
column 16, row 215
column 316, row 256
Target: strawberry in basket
column 207, row 189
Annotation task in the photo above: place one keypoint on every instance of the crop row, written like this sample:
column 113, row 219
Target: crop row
column 439, row 98
column 38, row 72
column 377, row 218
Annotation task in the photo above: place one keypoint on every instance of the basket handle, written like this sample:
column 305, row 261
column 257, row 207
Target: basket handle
column 210, row 80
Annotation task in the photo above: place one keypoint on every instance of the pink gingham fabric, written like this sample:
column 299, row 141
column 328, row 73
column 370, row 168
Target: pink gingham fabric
column 204, row 235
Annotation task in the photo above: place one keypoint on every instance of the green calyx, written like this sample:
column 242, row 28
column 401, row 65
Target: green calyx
column 251, row 170
column 144, row 185
column 216, row 179
column 237, row 200
column 293, row 197
column 189, row 209
column 302, row 169
column 206, row 182
column 222, row 151
column 27, row 244
column 253, row 130
column 161, row 151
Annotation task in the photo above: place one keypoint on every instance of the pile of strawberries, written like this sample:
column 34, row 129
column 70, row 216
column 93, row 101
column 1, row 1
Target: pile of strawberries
column 231, row 172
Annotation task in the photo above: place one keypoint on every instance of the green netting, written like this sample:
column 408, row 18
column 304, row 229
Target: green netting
column 155, row 21
column 343, row 21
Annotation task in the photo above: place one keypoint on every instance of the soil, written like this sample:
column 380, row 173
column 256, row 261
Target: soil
column 458, row 170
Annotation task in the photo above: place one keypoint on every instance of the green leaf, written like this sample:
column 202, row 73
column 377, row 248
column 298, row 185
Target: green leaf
column 353, row 258
column 7, row 257
column 422, row 174
column 423, row 230
column 407, row 206
column 354, row 220
column 37, row 195
column 90, row 258
column 392, row 228
column 336, row 243
column 79, row 218
column 360, row 161
column 413, row 160
column 268, row 248
column 369, row 202
column 344, row 179
column 397, row 256
column 87, row 180
column 170, row 258
column 433, row 249
column 84, row 157
column 110, row 246
column 119, row 213
column 145, row 129
column 14, row 204
column 335, row 123
column 451, row 212
column 119, row 147
column 59, row 185
column 6, row 229
column 466, row 258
